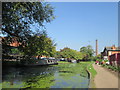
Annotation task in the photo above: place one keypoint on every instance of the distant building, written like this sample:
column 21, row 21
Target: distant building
column 109, row 51
column 14, row 42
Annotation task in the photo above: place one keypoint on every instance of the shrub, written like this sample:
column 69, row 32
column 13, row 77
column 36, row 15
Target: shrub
column 103, row 65
column 106, row 60
column 109, row 66
column 100, row 61
column 115, row 68
column 118, row 68
column 112, row 68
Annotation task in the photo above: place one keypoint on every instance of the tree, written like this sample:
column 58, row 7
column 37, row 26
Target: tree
column 87, row 51
column 16, row 51
column 97, row 57
column 66, row 52
column 78, row 55
column 58, row 54
column 17, row 18
column 69, row 53
column 39, row 45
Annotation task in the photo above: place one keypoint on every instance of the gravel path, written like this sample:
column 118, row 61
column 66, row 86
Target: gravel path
column 105, row 78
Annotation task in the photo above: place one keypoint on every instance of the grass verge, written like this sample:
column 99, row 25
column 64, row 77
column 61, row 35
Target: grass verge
column 62, row 62
column 92, row 72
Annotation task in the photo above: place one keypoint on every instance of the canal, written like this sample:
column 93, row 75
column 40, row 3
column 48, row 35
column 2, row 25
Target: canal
column 68, row 75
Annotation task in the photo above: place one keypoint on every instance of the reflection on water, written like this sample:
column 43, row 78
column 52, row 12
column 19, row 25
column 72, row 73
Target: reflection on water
column 56, row 76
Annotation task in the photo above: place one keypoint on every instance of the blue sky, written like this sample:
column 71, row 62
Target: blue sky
column 79, row 24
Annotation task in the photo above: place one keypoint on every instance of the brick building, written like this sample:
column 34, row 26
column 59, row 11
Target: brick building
column 14, row 42
column 115, row 59
column 109, row 51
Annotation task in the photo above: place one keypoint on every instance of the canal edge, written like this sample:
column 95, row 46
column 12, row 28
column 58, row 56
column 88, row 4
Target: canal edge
column 91, row 79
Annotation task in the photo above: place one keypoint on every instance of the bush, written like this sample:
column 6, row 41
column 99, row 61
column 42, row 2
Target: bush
column 100, row 61
column 106, row 60
column 114, row 68
column 118, row 68
column 103, row 65
column 108, row 67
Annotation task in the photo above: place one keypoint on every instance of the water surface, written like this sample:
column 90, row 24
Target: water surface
column 72, row 75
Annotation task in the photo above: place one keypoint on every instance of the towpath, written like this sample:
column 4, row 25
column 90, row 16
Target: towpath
column 105, row 78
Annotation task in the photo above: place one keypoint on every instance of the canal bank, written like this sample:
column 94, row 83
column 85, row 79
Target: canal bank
column 92, row 73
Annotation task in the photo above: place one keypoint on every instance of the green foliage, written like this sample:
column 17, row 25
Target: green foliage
column 35, row 82
column 17, row 18
column 94, row 58
column 69, row 53
column 103, row 65
column 16, row 51
column 39, row 45
column 58, row 54
column 8, row 85
column 1, row 86
column 62, row 62
column 114, row 68
column 39, row 82
column 92, row 70
column 88, row 52
column 118, row 68
column 93, row 73
column 69, row 70
column 106, row 60
column 100, row 60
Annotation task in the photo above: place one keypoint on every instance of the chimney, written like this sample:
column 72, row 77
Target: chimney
column 96, row 47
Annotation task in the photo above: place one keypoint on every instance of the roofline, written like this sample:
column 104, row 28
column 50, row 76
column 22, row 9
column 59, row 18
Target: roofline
column 113, row 50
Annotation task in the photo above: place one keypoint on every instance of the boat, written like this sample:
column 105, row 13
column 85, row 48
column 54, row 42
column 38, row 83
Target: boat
column 73, row 61
column 43, row 61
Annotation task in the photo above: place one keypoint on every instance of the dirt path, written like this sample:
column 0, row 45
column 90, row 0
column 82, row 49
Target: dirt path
column 105, row 78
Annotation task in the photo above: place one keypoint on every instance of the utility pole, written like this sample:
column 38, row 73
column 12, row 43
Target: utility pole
column 96, row 47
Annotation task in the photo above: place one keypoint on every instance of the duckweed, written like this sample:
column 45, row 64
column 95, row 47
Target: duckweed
column 70, row 75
